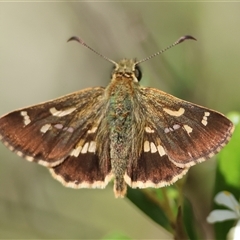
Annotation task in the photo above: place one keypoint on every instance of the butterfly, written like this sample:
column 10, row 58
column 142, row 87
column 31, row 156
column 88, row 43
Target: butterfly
column 138, row 136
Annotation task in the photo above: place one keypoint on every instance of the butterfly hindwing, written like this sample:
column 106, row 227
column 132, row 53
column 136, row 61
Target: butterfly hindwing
column 44, row 132
column 153, row 168
column 83, row 168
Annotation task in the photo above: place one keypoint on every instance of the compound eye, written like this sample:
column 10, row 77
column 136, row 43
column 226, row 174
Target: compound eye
column 113, row 70
column 138, row 72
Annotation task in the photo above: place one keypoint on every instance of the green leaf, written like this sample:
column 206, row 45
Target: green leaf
column 189, row 220
column 148, row 206
column 227, row 173
column 229, row 157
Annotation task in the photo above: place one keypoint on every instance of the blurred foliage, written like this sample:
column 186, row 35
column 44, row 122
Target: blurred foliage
column 228, row 173
column 116, row 236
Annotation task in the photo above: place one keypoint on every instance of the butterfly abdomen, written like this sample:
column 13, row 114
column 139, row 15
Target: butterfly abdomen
column 120, row 118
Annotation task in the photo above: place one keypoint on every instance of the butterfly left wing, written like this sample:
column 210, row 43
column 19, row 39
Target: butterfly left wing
column 84, row 168
column 178, row 134
column 46, row 133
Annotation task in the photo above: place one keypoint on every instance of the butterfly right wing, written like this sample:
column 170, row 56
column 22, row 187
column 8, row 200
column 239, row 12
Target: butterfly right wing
column 189, row 133
column 178, row 134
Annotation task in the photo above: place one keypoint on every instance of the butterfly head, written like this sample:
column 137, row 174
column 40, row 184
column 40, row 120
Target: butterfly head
column 127, row 68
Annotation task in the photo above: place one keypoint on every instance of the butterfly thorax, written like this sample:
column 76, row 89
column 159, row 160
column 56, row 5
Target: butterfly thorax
column 121, row 94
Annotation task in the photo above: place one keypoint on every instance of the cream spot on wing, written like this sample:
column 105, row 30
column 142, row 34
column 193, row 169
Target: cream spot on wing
column 45, row 128
column 76, row 151
column 167, row 130
column 20, row 154
column 149, row 130
column 210, row 155
column 85, row 148
column 69, row 129
column 92, row 147
column 146, row 146
column 188, row 129
column 29, row 158
column 11, row 148
column 92, row 130
column 171, row 129
column 58, row 126
column 53, row 111
column 61, row 113
column 204, row 119
column 207, row 114
column 176, row 126
column 177, row 113
column 153, row 147
column 26, row 118
column 204, row 122
column 161, row 150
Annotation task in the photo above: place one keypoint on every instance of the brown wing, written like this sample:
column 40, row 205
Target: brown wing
column 189, row 133
column 83, row 168
column 153, row 168
column 178, row 134
column 46, row 133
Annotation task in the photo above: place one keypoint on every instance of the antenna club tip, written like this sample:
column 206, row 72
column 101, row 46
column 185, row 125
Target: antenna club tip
column 186, row 37
column 75, row 38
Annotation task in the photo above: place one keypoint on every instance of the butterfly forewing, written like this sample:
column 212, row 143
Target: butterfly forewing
column 189, row 133
column 48, row 132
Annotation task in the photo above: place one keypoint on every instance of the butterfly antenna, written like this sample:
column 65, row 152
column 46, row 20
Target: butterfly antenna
column 78, row 39
column 180, row 40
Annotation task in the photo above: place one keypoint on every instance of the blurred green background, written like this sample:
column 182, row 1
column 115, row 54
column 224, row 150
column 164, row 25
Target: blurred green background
column 36, row 64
